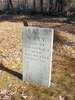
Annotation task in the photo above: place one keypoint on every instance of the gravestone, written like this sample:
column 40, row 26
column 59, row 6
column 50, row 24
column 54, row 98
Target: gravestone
column 37, row 55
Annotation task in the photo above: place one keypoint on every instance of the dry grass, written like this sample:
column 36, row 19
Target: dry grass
column 63, row 70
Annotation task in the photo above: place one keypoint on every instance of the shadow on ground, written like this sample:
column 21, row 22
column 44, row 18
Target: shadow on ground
column 16, row 74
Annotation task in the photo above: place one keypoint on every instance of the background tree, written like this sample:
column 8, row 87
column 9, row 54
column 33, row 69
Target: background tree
column 10, row 6
column 34, row 5
column 41, row 4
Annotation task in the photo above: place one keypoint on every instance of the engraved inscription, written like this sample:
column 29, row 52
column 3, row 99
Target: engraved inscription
column 35, row 50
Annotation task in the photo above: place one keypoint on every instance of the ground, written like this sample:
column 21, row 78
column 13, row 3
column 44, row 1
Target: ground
column 63, row 68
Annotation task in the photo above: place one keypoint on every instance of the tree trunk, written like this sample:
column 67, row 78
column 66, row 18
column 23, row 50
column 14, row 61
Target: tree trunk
column 41, row 4
column 50, row 5
column 10, row 5
column 34, row 5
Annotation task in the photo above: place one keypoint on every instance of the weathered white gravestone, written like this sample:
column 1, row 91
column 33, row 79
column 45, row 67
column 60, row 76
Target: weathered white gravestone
column 37, row 55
